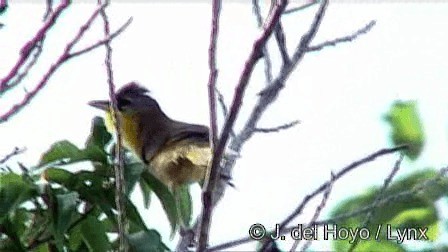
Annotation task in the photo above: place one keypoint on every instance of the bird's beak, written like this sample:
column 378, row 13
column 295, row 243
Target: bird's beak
column 103, row 105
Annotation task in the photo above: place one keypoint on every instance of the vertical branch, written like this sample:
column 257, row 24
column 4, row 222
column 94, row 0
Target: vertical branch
column 215, row 169
column 216, row 8
column 267, row 58
column 119, row 166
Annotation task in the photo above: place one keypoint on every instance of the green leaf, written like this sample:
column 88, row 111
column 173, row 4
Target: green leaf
column 406, row 127
column 165, row 196
column 99, row 136
column 414, row 217
column 146, row 241
column 146, row 191
column 369, row 246
column 75, row 238
column 417, row 218
column 135, row 220
column 134, row 216
column 14, row 190
column 95, row 154
column 62, row 151
column 433, row 231
column 60, row 176
column 132, row 174
column 20, row 219
column 415, row 210
column 94, row 235
column 66, row 209
column 97, row 141
column 13, row 243
column 185, row 205
column 68, row 153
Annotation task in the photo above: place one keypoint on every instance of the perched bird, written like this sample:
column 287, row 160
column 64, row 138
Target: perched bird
column 177, row 153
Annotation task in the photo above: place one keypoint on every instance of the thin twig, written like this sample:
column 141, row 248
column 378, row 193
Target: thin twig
column 281, row 42
column 13, row 153
column 66, row 55
column 316, row 214
column 296, row 9
column 224, row 108
column 278, row 128
column 383, row 202
column 118, row 166
column 222, row 103
column 267, row 59
column 20, row 75
column 337, row 176
column 270, row 93
column 380, row 195
column 215, row 169
column 266, row 97
column 348, row 38
column 101, row 42
column 324, row 186
column 48, row 8
column 216, row 9
column 26, row 50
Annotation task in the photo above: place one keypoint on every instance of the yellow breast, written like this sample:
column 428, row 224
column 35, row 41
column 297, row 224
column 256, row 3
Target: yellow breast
column 129, row 131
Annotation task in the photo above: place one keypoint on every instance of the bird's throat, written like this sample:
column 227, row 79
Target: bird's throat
column 129, row 130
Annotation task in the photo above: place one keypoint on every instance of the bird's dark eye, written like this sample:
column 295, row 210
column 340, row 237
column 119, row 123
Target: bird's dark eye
column 122, row 103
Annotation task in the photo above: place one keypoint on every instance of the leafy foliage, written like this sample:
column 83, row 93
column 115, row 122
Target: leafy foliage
column 406, row 127
column 52, row 208
column 414, row 211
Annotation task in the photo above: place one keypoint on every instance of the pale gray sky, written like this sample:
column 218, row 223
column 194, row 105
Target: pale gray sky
column 339, row 94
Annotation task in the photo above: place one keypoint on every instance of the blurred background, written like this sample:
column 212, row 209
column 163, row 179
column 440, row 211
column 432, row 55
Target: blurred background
column 340, row 95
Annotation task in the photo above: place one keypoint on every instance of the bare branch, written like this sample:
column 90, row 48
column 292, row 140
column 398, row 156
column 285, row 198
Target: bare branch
column 216, row 9
column 270, row 93
column 278, row 128
column 266, row 97
column 101, row 42
column 224, row 108
column 48, row 8
column 378, row 198
column 215, row 169
column 296, row 9
column 316, row 214
column 118, row 166
column 13, row 153
column 338, row 175
column 349, row 38
column 62, row 58
column 32, row 61
column 205, row 222
column 281, row 42
column 221, row 101
column 267, row 59
column 31, row 44
column 382, row 202
column 324, row 186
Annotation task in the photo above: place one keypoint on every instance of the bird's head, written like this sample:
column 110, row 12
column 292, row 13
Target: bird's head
column 134, row 105
column 131, row 98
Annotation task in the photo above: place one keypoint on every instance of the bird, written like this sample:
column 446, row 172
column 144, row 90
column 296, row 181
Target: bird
column 175, row 152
